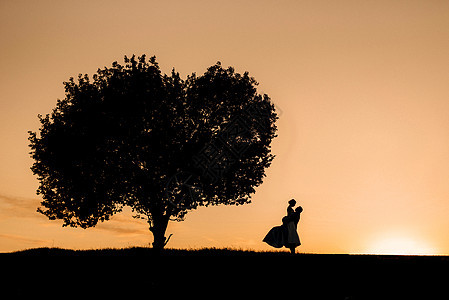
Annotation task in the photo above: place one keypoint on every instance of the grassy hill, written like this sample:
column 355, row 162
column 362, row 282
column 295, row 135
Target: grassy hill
column 140, row 272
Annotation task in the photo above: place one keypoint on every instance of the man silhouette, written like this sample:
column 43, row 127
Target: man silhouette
column 291, row 221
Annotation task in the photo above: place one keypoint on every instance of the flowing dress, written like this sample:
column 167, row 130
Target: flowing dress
column 276, row 237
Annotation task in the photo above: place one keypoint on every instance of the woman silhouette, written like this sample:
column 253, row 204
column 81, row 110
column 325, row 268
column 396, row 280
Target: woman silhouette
column 286, row 234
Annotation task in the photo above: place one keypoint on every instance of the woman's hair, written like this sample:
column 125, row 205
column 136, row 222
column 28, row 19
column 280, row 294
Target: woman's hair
column 299, row 209
column 292, row 202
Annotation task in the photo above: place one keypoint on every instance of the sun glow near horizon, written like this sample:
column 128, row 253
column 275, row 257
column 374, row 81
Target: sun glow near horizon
column 401, row 244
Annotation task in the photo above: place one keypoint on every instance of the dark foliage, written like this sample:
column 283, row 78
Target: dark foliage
column 159, row 144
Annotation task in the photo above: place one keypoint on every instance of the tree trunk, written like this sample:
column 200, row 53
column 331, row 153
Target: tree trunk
column 158, row 229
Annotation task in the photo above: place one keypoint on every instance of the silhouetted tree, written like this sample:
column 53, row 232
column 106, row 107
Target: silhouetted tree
column 157, row 143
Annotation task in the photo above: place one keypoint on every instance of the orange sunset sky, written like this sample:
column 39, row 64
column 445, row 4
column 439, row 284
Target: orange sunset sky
column 361, row 88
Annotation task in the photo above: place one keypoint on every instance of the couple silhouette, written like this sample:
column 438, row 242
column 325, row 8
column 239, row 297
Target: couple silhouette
column 286, row 235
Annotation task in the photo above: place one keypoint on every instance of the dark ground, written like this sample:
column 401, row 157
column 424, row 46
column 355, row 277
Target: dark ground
column 219, row 273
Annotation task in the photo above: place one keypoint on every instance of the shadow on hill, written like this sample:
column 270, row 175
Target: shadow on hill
column 206, row 272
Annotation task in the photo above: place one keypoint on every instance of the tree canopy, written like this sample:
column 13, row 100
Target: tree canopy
column 132, row 136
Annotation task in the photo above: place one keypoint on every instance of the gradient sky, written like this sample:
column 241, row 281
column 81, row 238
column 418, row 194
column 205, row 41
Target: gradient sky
column 361, row 87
